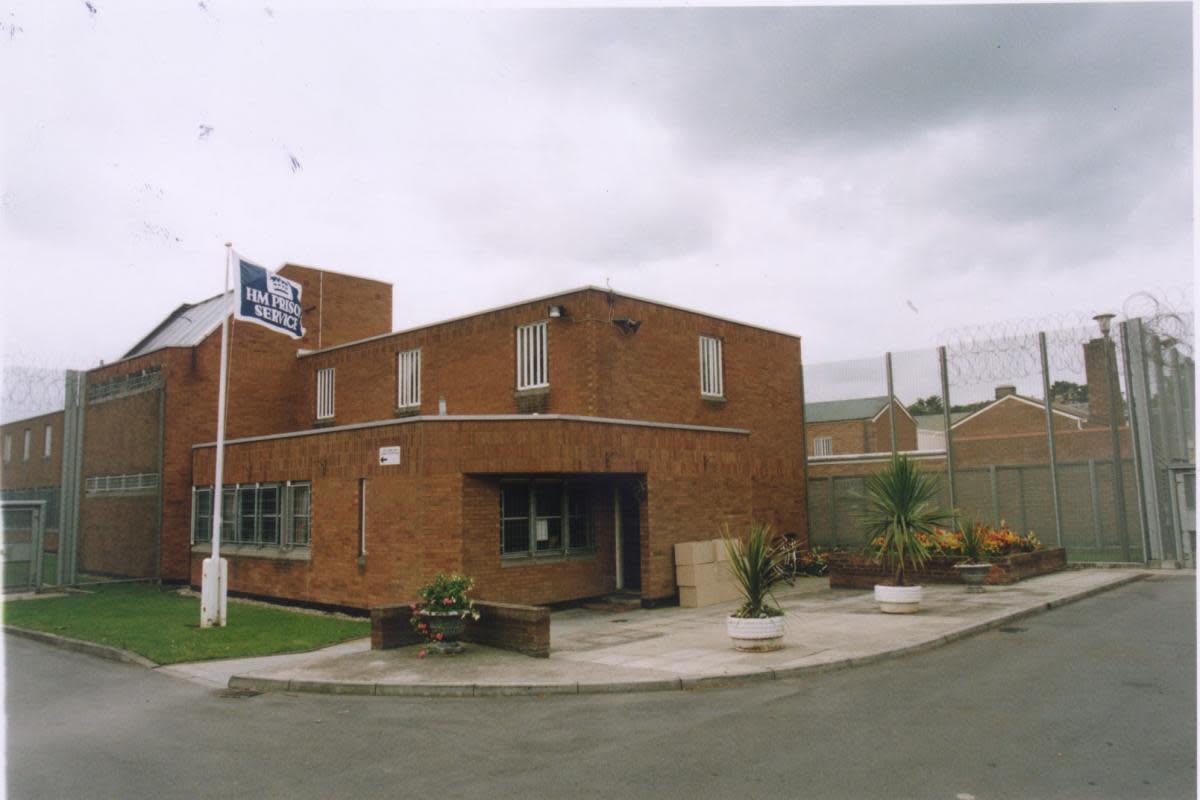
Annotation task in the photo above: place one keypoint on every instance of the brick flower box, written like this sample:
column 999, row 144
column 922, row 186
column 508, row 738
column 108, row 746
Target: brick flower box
column 525, row 629
column 851, row 570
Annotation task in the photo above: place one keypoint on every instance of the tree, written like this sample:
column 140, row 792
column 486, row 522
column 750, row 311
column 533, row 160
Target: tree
column 927, row 405
column 1068, row 392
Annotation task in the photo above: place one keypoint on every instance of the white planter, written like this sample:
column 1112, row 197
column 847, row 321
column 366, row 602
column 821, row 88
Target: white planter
column 898, row 599
column 755, row 635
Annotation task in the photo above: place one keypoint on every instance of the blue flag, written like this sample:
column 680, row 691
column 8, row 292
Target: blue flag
column 267, row 299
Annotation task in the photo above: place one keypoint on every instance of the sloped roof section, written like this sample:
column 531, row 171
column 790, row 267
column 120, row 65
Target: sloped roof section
column 842, row 410
column 186, row 326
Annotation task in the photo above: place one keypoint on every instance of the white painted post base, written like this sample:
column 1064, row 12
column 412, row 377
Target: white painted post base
column 212, row 592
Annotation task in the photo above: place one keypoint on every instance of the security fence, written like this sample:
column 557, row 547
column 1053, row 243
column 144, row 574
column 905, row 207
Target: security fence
column 1081, row 433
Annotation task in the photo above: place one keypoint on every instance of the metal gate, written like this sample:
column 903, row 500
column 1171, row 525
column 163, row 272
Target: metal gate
column 22, row 543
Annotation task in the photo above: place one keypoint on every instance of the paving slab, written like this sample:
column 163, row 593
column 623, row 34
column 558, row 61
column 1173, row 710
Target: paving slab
column 668, row 648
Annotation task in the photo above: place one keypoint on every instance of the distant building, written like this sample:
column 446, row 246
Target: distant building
column 857, row 425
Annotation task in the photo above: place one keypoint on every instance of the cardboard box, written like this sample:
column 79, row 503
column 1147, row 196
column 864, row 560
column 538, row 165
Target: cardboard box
column 694, row 553
column 700, row 596
column 696, row 574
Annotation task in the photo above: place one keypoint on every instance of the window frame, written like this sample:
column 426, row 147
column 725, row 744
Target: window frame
column 822, row 446
column 408, row 366
column 48, row 441
column 568, row 517
column 27, row 446
column 7, row 447
column 712, row 367
column 233, row 525
column 326, row 393
column 533, row 356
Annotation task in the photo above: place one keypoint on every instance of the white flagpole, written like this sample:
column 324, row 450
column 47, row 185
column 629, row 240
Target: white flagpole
column 214, row 572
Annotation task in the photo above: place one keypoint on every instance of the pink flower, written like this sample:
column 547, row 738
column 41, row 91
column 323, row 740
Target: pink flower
column 421, row 654
column 447, row 602
column 439, row 636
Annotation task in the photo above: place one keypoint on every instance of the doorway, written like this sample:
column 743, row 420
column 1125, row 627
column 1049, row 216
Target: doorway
column 629, row 540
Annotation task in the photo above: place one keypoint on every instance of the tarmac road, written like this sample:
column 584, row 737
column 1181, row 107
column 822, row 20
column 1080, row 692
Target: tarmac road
column 1093, row 700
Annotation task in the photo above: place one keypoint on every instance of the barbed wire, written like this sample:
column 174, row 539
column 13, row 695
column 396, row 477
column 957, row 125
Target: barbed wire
column 30, row 385
column 1008, row 350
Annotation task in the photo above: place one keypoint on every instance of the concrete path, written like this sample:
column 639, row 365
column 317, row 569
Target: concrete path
column 669, row 648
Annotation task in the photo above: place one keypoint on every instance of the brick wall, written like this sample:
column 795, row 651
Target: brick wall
column 439, row 509
column 37, row 471
column 263, row 381
column 596, row 369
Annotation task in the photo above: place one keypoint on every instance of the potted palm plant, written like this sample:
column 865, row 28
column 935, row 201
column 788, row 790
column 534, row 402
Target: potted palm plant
column 974, row 567
column 757, row 625
column 899, row 511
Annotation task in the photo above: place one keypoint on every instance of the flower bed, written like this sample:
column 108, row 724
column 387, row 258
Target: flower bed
column 1012, row 557
column 851, row 570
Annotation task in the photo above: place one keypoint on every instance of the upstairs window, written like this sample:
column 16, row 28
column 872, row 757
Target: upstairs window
column 823, row 446
column 325, row 393
column 712, row 382
column 48, row 443
column 28, row 444
column 408, row 368
column 7, row 447
column 532, row 363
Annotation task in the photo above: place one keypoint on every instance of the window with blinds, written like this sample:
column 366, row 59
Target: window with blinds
column 532, row 364
column 325, row 393
column 712, row 382
column 408, row 368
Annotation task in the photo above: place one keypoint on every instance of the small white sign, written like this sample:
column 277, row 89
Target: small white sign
column 389, row 456
column 542, row 530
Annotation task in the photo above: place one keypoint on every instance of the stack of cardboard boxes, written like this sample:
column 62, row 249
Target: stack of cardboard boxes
column 702, row 574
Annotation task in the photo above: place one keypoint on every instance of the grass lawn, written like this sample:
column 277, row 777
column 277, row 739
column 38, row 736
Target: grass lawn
column 165, row 627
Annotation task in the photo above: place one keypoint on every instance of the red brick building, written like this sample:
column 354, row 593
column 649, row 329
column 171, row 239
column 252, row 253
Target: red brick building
column 143, row 413
column 858, row 425
column 553, row 449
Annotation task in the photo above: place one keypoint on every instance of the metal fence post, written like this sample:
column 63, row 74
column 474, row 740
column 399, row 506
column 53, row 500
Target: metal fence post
column 887, row 360
column 832, row 498
column 1114, row 417
column 1097, row 521
column 1137, row 380
column 1050, row 438
column 995, row 494
column 946, row 423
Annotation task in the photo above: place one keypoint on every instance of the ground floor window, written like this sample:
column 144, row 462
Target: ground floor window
column 256, row 514
column 545, row 517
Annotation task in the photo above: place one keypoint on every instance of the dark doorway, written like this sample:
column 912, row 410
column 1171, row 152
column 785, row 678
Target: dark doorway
column 629, row 519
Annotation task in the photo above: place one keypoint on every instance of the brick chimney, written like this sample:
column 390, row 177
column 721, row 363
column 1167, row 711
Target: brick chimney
column 1005, row 391
column 1099, row 361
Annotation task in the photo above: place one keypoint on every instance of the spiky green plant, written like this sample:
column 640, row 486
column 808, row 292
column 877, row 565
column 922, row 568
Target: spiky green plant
column 755, row 568
column 972, row 539
column 900, row 504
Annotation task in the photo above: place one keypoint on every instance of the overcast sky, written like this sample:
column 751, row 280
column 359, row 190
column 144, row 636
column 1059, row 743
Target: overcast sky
column 863, row 177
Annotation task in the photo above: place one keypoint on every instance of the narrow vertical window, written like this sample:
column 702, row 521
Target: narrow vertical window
column 7, row 447
column 48, row 443
column 201, row 515
column 712, row 382
column 325, row 393
column 532, row 361
column 300, row 503
column 28, row 444
column 823, row 446
column 408, row 367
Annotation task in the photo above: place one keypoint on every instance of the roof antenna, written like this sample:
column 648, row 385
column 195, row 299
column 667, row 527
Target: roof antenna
column 612, row 296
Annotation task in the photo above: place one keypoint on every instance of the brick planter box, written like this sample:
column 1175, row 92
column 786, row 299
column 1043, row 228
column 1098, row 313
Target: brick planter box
column 525, row 629
column 850, row 570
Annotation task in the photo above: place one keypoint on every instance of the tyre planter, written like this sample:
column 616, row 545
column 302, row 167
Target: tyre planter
column 447, row 623
column 973, row 575
column 898, row 599
column 755, row 635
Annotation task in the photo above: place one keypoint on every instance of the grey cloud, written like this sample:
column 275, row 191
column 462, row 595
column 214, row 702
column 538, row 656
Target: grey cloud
column 749, row 80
